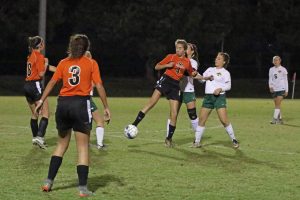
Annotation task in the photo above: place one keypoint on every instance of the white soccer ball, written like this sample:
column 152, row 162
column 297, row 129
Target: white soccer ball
column 130, row 131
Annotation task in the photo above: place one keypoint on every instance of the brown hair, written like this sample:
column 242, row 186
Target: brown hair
column 183, row 42
column 195, row 49
column 34, row 43
column 226, row 58
column 78, row 45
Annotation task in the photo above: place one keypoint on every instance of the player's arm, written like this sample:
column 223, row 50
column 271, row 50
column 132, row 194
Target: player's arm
column 167, row 62
column 286, row 83
column 46, row 92
column 42, row 66
column 226, row 86
column 270, row 81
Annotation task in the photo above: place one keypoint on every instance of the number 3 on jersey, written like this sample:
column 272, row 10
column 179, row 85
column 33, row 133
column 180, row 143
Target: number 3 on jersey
column 75, row 72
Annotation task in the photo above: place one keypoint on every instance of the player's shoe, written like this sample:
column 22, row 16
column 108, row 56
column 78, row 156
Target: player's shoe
column 196, row 145
column 84, row 192
column 169, row 143
column 235, row 144
column 279, row 121
column 33, row 141
column 274, row 121
column 101, row 147
column 40, row 142
column 47, row 186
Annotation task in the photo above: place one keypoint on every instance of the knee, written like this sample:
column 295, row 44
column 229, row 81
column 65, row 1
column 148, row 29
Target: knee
column 192, row 113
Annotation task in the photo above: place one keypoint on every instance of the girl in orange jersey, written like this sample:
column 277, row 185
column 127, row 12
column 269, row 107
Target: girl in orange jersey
column 36, row 67
column 73, row 109
column 176, row 65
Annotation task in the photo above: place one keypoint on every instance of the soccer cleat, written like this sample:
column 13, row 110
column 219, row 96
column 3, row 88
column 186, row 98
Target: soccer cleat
column 235, row 144
column 101, row 147
column 40, row 142
column 84, row 192
column 279, row 121
column 169, row 143
column 196, row 145
column 33, row 141
column 47, row 186
column 274, row 121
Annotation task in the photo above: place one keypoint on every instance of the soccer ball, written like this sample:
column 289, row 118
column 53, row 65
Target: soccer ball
column 130, row 131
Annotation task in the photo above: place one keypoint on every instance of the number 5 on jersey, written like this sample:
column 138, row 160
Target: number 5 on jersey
column 75, row 72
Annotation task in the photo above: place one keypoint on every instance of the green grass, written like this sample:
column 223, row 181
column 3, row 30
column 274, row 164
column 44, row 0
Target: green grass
column 267, row 165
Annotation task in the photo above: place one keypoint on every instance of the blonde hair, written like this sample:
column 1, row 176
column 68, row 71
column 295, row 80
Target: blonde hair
column 183, row 42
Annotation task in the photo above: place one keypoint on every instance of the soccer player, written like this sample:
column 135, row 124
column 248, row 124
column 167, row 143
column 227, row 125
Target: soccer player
column 215, row 98
column 175, row 65
column 73, row 109
column 187, row 89
column 35, row 70
column 279, row 87
column 96, row 115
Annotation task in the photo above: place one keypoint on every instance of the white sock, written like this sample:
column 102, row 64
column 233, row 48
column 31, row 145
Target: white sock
column 280, row 117
column 276, row 113
column 99, row 135
column 230, row 131
column 199, row 132
column 194, row 123
column 168, row 123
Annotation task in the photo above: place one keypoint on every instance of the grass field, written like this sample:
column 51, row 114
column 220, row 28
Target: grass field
column 267, row 165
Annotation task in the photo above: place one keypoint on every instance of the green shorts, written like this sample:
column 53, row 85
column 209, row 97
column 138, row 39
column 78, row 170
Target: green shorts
column 93, row 105
column 212, row 101
column 278, row 93
column 187, row 97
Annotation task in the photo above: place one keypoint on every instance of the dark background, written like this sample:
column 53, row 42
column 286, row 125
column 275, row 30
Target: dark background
column 129, row 37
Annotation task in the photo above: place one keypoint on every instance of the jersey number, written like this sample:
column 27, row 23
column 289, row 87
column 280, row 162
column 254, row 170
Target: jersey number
column 75, row 72
column 275, row 76
column 28, row 70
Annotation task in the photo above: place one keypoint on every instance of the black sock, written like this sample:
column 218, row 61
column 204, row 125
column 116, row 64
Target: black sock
column 83, row 172
column 171, row 131
column 55, row 163
column 42, row 127
column 139, row 118
column 34, row 127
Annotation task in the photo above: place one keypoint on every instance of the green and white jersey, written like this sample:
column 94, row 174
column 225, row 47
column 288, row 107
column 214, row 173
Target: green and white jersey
column 187, row 82
column 222, row 80
column 278, row 79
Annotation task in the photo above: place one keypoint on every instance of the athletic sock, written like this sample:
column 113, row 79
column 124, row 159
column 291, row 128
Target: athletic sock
column 230, row 131
column 276, row 113
column 168, row 123
column 199, row 132
column 34, row 127
column 195, row 123
column 55, row 163
column 82, row 171
column 139, row 118
column 100, row 135
column 42, row 127
column 171, row 131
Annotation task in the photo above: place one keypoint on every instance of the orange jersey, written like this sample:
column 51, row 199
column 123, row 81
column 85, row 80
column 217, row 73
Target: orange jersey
column 77, row 75
column 180, row 66
column 35, row 65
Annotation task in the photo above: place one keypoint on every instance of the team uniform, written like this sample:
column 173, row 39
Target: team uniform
column 74, row 106
column 168, row 84
column 278, row 80
column 222, row 80
column 33, row 86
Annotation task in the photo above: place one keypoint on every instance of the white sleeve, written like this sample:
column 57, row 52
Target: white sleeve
column 194, row 64
column 206, row 73
column 270, row 79
column 286, row 81
column 227, row 85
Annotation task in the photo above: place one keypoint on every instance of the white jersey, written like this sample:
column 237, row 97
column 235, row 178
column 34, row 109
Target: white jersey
column 187, row 82
column 278, row 79
column 222, row 80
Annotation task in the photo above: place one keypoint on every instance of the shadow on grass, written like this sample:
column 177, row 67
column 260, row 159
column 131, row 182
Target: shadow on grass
column 291, row 125
column 34, row 159
column 94, row 182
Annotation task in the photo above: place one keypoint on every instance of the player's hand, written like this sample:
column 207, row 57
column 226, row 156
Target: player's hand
column 217, row 91
column 195, row 73
column 209, row 78
column 107, row 115
column 169, row 65
column 286, row 94
column 271, row 90
column 38, row 107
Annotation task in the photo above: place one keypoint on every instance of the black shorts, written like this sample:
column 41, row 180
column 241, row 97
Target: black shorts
column 33, row 91
column 73, row 112
column 168, row 87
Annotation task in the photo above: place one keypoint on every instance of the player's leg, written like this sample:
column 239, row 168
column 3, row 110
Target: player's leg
column 191, row 110
column 168, row 121
column 33, row 122
column 277, row 110
column 203, row 116
column 174, row 104
column 56, row 159
column 82, row 144
column 222, row 113
column 43, row 124
column 151, row 103
column 99, row 128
